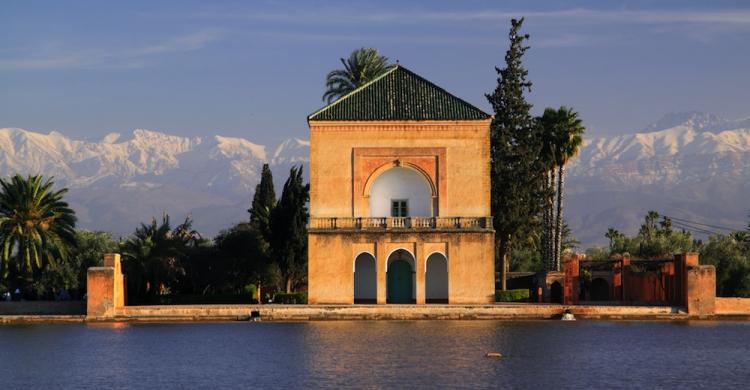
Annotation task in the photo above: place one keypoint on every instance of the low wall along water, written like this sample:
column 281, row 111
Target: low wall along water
column 106, row 302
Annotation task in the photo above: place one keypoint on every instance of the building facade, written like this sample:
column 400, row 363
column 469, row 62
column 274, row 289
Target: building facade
column 400, row 197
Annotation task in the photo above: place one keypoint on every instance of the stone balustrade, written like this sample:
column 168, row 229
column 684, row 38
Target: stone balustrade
column 413, row 223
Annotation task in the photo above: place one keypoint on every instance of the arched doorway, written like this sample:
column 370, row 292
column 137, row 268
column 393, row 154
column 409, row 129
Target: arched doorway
column 365, row 279
column 436, row 279
column 556, row 293
column 400, row 278
column 401, row 192
column 599, row 290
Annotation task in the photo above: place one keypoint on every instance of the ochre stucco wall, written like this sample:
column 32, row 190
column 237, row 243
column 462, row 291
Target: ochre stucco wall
column 105, row 288
column 730, row 306
column 470, row 263
column 453, row 155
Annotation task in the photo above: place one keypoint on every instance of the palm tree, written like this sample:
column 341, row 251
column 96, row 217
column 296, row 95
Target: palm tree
column 362, row 66
column 612, row 234
column 568, row 144
column 36, row 226
column 151, row 256
column 549, row 126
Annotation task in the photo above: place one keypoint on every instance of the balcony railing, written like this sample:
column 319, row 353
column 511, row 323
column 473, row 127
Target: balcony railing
column 414, row 223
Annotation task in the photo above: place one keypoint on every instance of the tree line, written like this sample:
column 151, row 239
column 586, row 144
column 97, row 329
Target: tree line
column 42, row 253
column 658, row 238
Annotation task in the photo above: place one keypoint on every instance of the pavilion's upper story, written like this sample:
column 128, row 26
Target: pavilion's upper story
column 397, row 147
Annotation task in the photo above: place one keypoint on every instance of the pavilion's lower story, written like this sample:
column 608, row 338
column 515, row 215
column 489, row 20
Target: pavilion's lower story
column 352, row 266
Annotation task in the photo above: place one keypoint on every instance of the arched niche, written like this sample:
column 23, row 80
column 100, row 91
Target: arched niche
column 365, row 278
column 436, row 278
column 402, row 183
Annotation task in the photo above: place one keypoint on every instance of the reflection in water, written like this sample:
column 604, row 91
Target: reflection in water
column 390, row 354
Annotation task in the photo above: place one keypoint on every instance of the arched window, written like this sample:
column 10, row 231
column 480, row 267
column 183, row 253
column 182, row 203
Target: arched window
column 401, row 192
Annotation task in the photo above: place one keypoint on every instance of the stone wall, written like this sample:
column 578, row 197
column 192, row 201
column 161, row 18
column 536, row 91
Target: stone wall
column 699, row 282
column 470, row 257
column 732, row 306
column 105, row 288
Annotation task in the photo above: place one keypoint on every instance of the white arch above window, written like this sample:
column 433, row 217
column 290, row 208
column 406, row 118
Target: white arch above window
column 401, row 183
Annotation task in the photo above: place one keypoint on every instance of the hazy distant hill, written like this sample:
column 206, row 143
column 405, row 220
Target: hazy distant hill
column 694, row 166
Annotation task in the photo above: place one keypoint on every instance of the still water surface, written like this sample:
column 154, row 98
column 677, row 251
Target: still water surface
column 410, row 354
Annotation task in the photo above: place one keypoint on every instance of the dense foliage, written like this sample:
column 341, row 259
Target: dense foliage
column 69, row 276
column 264, row 201
column 518, row 295
column 517, row 170
column 153, row 256
column 266, row 254
column 289, row 230
column 730, row 254
column 562, row 138
column 656, row 238
column 527, row 257
column 37, row 228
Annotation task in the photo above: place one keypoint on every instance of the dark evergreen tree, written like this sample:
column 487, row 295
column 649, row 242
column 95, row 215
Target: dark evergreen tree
column 264, row 201
column 289, row 229
column 517, row 170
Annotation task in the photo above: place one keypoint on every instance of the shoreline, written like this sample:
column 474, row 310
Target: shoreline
column 297, row 313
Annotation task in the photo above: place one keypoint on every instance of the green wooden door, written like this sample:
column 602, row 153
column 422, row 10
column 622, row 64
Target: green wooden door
column 399, row 282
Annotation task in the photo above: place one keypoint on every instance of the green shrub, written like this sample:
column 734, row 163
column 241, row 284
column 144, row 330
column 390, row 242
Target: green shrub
column 519, row 295
column 252, row 291
column 290, row 298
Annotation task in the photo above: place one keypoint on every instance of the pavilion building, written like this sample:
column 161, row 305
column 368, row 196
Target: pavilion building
column 400, row 197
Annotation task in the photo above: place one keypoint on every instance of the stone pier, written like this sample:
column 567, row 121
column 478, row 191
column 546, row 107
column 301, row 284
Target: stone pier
column 105, row 289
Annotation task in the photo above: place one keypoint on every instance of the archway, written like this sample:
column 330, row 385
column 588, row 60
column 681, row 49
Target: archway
column 556, row 293
column 436, row 279
column 400, row 278
column 599, row 290
column 401, row 192
column 365, row 279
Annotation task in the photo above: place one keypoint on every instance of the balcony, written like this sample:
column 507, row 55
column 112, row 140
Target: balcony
column 401, row 223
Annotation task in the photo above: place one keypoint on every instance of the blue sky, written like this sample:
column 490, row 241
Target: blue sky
column 256, row 69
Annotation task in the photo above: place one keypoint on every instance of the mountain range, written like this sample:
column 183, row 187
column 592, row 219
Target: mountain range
column 692, row 166
column 118, row 182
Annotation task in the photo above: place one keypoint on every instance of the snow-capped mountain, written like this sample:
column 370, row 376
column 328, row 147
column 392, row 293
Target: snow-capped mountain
column 693, row 166
column 117, row 182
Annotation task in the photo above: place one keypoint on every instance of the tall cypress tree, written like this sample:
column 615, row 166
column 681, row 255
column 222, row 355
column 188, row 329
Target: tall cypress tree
column 517, row 171
column 289, row 229
column 263, row 204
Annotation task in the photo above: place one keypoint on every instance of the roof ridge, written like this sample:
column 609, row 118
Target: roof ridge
column 356, row 90
column 441, row 89
column 399, row 94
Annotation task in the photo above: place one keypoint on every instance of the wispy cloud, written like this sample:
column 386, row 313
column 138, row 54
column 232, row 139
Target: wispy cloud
column 541, row 41
column 621, row 16
column 134, row 57
column 726, row 16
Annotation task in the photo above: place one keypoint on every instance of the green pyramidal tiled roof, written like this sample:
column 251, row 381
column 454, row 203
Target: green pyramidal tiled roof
column 398, row 94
